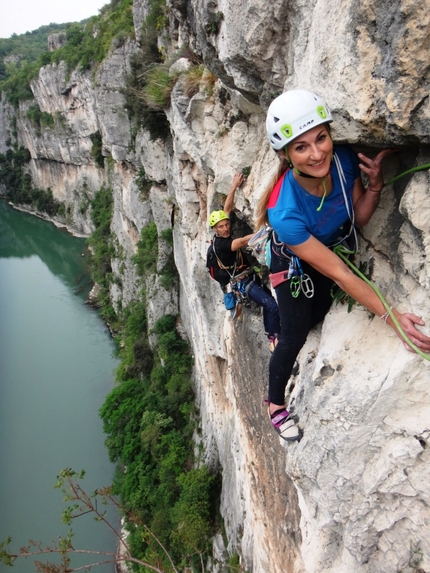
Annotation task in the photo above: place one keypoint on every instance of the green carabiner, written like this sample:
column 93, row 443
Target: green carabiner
column 295, row 286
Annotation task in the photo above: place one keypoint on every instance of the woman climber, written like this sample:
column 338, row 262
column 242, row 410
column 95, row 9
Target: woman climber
column 312, row 204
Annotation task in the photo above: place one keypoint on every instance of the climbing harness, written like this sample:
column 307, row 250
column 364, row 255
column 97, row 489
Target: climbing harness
column 236, row 291
column 342, row 252
column 265, row 244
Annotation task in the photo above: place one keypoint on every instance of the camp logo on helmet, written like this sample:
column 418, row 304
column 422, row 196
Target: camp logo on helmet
column 307, row 124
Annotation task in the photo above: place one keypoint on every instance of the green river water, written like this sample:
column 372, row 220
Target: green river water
column 56, row 367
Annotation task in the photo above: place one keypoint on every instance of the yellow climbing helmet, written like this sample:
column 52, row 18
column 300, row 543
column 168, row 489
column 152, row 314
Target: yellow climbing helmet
column 216, row 217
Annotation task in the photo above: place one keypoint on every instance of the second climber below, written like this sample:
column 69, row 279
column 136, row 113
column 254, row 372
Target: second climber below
column 228, row 252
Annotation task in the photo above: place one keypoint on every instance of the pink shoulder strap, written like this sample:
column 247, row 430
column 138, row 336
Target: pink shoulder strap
column 273, row 199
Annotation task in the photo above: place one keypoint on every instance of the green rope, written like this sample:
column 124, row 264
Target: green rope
column 341, row 252
column 418, row 168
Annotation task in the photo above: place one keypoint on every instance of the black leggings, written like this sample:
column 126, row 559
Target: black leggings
column 298, row 316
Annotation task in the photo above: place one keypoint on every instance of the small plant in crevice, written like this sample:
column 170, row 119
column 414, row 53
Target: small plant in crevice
column 60, row 120
column 191, row 80
column 234, row 564
column 141, row 115
column 197, row 78
column 235, row 117
column 213, row 24
column 222, row 132
column 169, row 273
column 208, row 82
column 158, row 87
column 84, row 200
column 96, row 149
column 414, row 560
column 144, row 184
column 167, row 235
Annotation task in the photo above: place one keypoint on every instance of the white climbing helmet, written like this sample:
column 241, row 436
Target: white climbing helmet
column 293, row 113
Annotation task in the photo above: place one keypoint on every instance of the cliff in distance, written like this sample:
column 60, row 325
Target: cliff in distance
column 353, row 496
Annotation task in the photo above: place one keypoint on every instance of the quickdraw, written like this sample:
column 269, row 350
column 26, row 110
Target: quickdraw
column 300, row 281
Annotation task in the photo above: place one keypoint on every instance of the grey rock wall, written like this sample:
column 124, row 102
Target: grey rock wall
column 353, row 495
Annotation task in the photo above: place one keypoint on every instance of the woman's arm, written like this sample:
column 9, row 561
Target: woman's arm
column 367, row 200
column 329, row 264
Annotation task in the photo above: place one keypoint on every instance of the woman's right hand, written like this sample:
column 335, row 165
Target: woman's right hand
column 373, row 168
column 408, row 322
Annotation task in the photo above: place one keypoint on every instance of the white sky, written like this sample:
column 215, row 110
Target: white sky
column 20, row 16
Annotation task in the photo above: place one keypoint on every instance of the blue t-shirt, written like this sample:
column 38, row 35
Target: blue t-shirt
column 292, row 211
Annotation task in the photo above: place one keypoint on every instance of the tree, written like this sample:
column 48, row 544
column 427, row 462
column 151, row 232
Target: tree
column 82, row 503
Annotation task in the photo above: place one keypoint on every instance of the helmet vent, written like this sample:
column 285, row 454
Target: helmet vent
column 276, row 119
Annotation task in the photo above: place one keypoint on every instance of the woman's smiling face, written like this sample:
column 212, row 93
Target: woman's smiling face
column 311, row 152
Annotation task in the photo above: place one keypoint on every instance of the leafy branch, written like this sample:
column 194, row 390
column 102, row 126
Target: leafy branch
column 81, row 503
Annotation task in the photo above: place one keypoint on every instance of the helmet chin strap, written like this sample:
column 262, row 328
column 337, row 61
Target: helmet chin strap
column 303, row 174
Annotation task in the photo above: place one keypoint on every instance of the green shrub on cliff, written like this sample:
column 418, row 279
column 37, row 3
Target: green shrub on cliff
column 146, row 109
column 154, row 120
column 88, row 43
column 39, row 118
column 149, row 420
column 144, row 184
column 149, row 425
column 147, row 251
column 158, row 87
column 103, row 251
column 26, row 54
column 146, row 256
column 18, row 184
column 96, row 148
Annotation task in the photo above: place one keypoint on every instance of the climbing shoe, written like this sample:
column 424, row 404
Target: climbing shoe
column 285, row 425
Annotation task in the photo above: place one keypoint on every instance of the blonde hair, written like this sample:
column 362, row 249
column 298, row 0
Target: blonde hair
column 261, row 218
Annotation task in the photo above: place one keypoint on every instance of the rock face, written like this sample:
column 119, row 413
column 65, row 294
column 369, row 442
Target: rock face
column 56, row 41
column 353, row 496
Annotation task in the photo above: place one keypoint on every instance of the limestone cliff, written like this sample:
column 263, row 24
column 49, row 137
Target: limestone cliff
column 353, row 496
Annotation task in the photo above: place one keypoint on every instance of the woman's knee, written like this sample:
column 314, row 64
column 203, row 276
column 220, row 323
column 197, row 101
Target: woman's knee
column 291, row 344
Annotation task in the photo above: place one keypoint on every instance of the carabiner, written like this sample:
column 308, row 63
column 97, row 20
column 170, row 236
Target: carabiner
column 307, row 285
column 295, row 286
